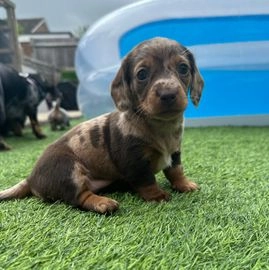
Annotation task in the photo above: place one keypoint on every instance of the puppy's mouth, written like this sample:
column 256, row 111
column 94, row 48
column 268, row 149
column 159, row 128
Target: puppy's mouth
column 170, row 102
column 167, row 111
column 168, row 114
column 178, row 106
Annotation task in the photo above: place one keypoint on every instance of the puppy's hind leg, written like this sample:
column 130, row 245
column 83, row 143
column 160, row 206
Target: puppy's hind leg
column 86, row 199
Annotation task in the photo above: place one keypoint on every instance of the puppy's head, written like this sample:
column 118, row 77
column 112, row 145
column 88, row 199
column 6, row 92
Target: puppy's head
column 155, row 78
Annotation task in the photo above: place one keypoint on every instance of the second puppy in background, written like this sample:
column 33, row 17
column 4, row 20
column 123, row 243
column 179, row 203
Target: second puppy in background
column 58, row 117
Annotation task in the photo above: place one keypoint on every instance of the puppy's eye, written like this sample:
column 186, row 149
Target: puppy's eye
column 183, row 69
column 142, row 74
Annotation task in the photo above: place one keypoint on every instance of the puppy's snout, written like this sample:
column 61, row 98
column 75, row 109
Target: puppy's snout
column 166, row 90
column 167, row 96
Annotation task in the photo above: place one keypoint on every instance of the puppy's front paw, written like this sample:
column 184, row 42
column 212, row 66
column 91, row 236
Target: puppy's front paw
column 158, row 196
column 185, row 186
column 153, row 193
column 106, row 205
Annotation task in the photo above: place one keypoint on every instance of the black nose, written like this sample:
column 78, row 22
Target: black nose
column 168, row 98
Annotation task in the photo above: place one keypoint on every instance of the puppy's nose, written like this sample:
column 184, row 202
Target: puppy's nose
column 168, row 98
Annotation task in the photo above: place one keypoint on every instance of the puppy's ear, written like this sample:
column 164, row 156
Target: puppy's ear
column 197, row 82
column 120, row 90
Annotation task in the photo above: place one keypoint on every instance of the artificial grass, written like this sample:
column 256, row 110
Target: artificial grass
column 222, row 226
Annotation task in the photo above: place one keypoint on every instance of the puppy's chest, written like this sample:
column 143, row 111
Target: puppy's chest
column 161, row 153
column 163, row 161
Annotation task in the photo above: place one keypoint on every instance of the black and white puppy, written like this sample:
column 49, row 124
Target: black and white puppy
column 3, row 145
column 20, row 97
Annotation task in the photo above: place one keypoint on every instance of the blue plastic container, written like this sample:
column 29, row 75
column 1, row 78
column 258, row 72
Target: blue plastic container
column 230, row 40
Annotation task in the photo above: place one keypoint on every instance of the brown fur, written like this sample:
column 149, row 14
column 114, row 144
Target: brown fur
column 127, row 146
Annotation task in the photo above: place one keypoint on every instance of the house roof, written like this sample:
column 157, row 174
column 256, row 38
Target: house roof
column 30, row 26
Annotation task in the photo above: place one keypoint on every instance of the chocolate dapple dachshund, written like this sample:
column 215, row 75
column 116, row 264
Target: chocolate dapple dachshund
column 129, row 145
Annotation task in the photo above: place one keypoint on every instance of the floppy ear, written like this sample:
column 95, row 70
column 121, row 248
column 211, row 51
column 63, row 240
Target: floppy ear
column 120, row 91
column 197, row 82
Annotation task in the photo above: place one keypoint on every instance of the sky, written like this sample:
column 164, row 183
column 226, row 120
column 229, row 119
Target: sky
column 67, row 15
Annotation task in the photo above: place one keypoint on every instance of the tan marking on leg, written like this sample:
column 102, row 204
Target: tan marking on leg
column 178, row 180
column 90, row 201
column 80, row 176
column 153, row 193
column 86, row 199
column 37, row 130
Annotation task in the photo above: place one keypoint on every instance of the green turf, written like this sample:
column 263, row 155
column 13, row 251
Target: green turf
column 225, row 225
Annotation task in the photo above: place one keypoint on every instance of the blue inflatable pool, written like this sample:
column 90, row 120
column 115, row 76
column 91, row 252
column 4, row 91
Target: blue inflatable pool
column 230, row 40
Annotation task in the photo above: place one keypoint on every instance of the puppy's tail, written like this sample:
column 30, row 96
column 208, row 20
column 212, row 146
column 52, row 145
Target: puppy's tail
column 19, row 191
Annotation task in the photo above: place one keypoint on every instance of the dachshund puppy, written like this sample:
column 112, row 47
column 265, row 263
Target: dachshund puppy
column 129, row 145
column 58, row 117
